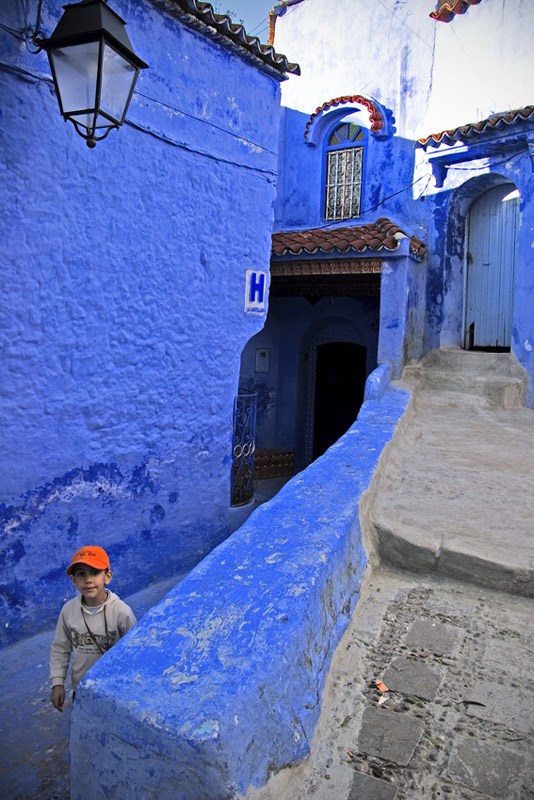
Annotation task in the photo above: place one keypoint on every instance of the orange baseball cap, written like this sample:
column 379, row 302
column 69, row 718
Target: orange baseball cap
column 93, row 556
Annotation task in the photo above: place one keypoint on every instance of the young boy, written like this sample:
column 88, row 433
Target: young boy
column 89, row 624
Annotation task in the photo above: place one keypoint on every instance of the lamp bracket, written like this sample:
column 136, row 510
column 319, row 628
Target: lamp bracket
column 36, row 39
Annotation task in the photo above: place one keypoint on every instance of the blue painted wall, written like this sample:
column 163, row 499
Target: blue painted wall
column 446, row 269
column 119, row 264
column 413, row 81
column 388, row 190
column 421, row 305
column 220, row 685
column 387, row 170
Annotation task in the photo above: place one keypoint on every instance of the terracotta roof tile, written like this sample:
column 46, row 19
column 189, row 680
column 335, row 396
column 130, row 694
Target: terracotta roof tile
column 447, row 11
column 375, row 116
column 380, row 235
column 473, row 129
column 220, row 27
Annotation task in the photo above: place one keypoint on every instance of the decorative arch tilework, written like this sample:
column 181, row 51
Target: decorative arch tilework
column 377, row 114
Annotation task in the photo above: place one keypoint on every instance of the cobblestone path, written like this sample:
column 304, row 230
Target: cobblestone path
column 457, row 719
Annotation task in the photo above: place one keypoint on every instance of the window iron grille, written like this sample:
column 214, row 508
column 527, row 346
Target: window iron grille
column 344, row 169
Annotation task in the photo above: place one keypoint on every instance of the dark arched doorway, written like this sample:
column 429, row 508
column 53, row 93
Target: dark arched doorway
column 339, row 389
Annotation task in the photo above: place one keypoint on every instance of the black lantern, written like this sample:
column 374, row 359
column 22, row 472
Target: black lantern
column 94, row 68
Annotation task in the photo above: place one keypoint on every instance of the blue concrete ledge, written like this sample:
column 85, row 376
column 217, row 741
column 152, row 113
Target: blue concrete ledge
column 220, row 684
column 377, row 382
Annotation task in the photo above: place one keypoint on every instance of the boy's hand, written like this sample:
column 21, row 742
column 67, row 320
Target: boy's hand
column 58, row 697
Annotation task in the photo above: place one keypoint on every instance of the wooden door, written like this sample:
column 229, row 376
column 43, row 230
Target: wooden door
column 492, row 243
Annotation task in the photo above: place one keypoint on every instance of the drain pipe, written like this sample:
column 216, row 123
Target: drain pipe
column 278, row 11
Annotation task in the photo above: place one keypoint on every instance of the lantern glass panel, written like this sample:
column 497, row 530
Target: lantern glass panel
column 76, row 71
column 118, row 79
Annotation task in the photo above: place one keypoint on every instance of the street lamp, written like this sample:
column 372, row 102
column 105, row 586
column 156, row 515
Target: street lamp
column 93, row 66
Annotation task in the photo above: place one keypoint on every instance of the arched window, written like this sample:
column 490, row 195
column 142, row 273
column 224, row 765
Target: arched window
column 344, row 168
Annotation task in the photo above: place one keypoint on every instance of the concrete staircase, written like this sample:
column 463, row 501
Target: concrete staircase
column 490, row 380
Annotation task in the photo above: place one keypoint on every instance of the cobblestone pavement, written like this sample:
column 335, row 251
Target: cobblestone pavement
column 457, row 719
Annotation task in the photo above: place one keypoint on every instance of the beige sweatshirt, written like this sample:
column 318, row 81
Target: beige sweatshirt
column 113, row 619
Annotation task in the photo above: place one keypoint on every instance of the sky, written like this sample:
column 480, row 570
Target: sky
column 251, row 13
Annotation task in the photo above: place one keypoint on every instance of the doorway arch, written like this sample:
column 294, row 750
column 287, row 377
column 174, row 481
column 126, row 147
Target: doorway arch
column 492, row 226
column 332, row 372
column 339, row 389
column 448, row 292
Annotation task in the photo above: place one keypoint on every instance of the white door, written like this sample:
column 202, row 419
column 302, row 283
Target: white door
column 492, row 244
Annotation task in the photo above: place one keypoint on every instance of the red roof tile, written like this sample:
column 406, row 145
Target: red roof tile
column 220, row 27
column 448, row 11
column 380, row 235
column 473, row 129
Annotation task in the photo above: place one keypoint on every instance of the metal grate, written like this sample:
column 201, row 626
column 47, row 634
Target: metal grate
column 245, row 408
column 343, row 183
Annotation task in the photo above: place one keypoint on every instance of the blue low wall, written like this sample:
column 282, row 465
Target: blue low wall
column 220, row 684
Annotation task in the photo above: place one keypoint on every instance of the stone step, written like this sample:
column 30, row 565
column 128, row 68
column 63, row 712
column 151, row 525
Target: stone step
column 495, row 378
column 424, row 552
column 454, row 359
column 454, row 496
column 495, row 391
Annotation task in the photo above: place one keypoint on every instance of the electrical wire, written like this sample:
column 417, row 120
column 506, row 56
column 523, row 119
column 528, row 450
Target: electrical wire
column 13, row 31
column 265, row 23
column 205, row 122
column 519, row 151
column 405, row 24
column 269, row 174
column 373, row 208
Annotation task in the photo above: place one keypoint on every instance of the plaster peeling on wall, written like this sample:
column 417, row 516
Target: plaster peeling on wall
column 272, row 559
column 176, row 678
column 156, row 720
column 208, row 730
column 253, row 148
column 99, row 481
column 154, row 639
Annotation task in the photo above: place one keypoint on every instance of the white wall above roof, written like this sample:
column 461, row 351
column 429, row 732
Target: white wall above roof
column 432, row 75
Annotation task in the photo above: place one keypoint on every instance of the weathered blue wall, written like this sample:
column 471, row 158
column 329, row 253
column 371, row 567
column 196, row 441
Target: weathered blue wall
column 413, row 80
column 388, row 165
column 387, row 191
column 449, row 209
column 220, row 685
column 119, row 266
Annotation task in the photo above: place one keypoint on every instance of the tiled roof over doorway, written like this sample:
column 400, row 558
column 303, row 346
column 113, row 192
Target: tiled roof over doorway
column 497, row 122
column 380, row 235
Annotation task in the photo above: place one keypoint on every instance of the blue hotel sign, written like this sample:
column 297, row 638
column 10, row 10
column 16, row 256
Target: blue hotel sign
column 255, row 292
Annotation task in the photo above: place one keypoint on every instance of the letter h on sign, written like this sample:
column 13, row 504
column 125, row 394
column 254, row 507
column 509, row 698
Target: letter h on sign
column 256, row 284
